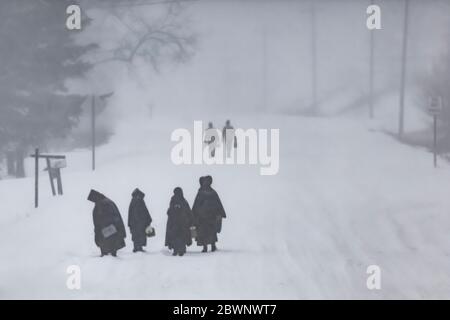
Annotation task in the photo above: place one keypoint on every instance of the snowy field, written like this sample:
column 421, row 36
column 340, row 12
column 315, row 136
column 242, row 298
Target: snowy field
column 345, row 197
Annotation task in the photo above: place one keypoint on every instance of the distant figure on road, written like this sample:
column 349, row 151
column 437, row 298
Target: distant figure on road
column 138, row 220
column 108, row 225
column 210, row 139
column 208, row 214
column 178, row 233
column 228, row 137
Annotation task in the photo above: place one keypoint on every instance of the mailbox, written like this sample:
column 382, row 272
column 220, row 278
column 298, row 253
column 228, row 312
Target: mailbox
column 58, row 163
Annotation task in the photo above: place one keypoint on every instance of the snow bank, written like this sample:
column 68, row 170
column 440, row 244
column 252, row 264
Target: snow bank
column 345, row 198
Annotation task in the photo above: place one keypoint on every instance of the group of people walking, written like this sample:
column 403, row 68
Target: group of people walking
column 202, row 223
column 228, row 138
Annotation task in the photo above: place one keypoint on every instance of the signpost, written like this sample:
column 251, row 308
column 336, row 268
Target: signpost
column 435, row 108
column 36, row 178
column 54, row 165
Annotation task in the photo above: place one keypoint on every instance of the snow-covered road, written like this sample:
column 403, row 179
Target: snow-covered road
column 345, row 198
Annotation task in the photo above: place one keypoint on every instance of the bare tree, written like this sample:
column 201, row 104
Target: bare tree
column 154, row 39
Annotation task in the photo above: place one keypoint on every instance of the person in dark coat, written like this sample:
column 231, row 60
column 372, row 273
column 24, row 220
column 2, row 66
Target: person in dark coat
column 178, row 233
column 108, row 224
column 138, row 220
column 208, row 213
column 229, row 140
column 209, row 139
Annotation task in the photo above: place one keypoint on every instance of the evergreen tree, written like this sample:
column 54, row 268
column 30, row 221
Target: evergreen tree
column 37, row 55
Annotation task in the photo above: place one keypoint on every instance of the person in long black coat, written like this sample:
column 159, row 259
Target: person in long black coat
column 179, row 221
column 108, row 224
column 208, row 214
column 138, row 220
column 229, row 140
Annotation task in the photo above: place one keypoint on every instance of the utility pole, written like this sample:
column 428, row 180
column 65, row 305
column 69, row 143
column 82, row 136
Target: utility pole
column 93, row 131
column 102, row 98
column 313, row 56
column 435, row 140
column 435, row 109
column 403, row 72
column 36, row 178
column 371, row 67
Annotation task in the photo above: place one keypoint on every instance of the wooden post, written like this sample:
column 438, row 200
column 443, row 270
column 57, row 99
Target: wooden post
column 435, row 140
column 435, row 108
column 50, row 176
column 403, row 72
column 36, row 178
column 93, row 133
column 53, row 173
column 59, row 181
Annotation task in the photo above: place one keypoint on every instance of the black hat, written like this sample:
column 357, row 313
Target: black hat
column 95, row 196
column 178, row 192
column 207, row 181
column 138, row 193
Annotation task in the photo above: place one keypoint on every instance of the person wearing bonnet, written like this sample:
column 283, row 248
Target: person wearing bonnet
column 179, row 221
column 139, row 220
column 109, row 229
column 208, row 213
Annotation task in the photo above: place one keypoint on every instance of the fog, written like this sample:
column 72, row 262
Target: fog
column 255, row 56
column 196, row 59
column 342, row 164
